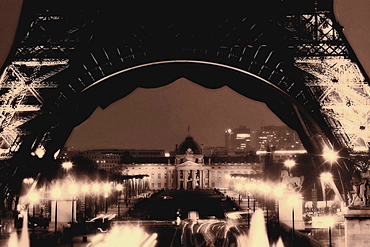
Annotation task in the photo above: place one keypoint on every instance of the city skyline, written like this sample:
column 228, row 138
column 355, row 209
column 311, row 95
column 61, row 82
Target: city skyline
column 178, row 105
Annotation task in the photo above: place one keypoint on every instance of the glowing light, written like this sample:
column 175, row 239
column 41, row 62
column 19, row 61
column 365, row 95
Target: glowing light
column 278, row 191
column 119, row 187
column 28, row 180
column 257, row 233
column 238, row 186
column 289, row 163
column 293, row 199
column 33, row 197
column 73, row 189
column 95, row 187
column 326, row 177
column 67, row 165
column 85, row 188
column 131, row 236
column 330, row 155
column 329, row 221
column 106, row 187
column 40, row 152
column 56, row 192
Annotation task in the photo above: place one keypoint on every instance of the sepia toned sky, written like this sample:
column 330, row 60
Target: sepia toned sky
column 159, row 118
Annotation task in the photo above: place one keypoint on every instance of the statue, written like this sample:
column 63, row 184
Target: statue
column 360, row 193
column 189, row 155
column 292, row 183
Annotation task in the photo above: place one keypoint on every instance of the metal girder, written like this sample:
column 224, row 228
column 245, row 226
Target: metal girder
column 343, row 95
column 336, row 81
column 21, row 83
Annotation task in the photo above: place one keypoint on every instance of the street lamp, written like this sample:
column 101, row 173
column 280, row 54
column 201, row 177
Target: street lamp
column 326, row 178
column 330, row 155
column 67, row 165
column 106, row 189
column 293, row 200
column 238, row 187
column 56, row 193
column 265, row 190
column 33, row 197
column 290, row 164
column 278, row 192
column 85, row 189
column 95, row 188
column 73, row 189
column 119, row 188
column 28, row 180
column 329, row 222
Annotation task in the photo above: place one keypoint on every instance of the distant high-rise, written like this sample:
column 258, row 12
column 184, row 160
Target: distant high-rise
column 279, row 138
column 238, row 139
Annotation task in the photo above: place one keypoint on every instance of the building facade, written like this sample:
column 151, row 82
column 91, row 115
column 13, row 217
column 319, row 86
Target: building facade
column 238, row 139
column 278, row 138
column 190, row 170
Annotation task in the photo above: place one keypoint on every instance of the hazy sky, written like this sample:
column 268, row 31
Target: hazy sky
column 159, row 118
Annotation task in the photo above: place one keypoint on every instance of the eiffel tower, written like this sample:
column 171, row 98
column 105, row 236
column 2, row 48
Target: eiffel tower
column 69, row 59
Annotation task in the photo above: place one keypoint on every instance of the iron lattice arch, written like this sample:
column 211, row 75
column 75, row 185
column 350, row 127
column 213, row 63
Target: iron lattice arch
column 68, row 61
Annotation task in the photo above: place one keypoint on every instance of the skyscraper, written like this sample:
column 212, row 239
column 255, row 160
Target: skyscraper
column 238, row 139
column 278, row 137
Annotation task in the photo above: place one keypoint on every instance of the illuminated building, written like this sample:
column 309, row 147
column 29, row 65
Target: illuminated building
column 190, row 169
column 278, row 138
column 238, row 139
column 185, row 168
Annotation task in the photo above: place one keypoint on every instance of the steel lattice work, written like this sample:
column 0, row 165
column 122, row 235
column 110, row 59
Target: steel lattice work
column 21, row 100
column 334, row 77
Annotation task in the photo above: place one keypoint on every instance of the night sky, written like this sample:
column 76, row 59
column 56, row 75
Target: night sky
column 159, row 118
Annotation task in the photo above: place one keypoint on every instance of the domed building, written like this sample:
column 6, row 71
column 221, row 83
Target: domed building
column 187, row 170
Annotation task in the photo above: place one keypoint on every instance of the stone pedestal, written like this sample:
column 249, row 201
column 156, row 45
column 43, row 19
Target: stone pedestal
column 64, row 214
column 357, row 227
column 286, row 209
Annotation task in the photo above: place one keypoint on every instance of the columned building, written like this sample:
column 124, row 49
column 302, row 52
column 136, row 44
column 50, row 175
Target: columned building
column 191, row 170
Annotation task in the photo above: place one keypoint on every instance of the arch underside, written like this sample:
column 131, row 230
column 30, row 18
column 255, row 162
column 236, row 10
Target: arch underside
column 74, row 60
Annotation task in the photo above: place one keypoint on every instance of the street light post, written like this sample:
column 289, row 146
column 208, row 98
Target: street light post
column 106, row 188
column 290, row 164
column 119, row 188
column 293, row 225
column 56, row 215
column 326, row 178
column 85, row 189
column 73, row 191
column 292, row 201
column 56, row 193
column 95, row 188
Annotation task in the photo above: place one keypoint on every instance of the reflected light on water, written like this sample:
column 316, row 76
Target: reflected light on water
column 123, row 235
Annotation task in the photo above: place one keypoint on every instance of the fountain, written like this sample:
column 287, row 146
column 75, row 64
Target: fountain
column 24, row 240
column 13, row 239
column 257, row 235
column 131, row 236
